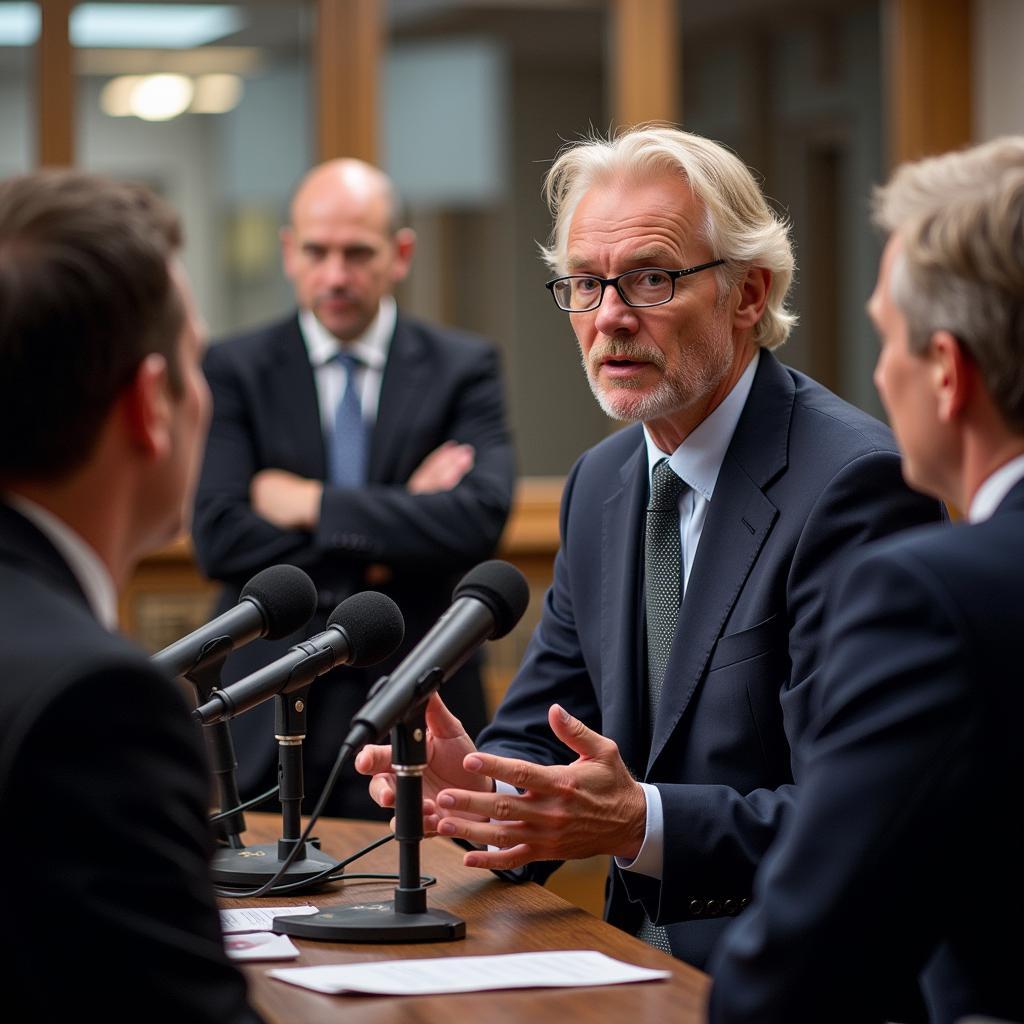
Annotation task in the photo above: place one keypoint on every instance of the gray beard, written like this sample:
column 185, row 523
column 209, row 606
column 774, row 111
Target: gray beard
column 694, row 381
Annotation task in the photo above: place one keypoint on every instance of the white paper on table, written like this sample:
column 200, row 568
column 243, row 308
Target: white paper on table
column 256, row 919
column 558, row 969
column 260, row 946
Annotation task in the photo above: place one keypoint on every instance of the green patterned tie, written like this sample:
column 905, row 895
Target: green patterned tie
column 663, row 586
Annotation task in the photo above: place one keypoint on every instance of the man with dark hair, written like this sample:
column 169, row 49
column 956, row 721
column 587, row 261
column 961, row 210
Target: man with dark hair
column 904, row 853
column 367, row 448
column 103, row 408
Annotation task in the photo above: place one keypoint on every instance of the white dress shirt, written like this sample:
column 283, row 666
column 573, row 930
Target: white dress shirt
column 86, row 566
column 371, row 348
column 990, row 494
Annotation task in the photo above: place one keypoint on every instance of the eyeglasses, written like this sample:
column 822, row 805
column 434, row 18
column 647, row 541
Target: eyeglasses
column 649, row 286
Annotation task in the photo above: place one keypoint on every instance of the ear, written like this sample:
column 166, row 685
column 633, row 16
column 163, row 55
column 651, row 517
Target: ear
column 147, row 409
column 405, row 246
column 289, row 251
column 954, row 375
column 753, row 291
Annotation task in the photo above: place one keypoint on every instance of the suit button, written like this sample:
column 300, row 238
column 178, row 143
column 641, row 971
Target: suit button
column 696, row 908
column 730, row 907
column 714, row 907
column 744, row 903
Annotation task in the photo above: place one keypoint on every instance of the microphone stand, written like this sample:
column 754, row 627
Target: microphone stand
column 256, row 865
column 220, row 750
column 407, row 918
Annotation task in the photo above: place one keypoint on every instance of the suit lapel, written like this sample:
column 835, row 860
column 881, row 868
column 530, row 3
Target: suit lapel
column 405, row 379
column 622, row 529
column 739, row 520
column 300, row 419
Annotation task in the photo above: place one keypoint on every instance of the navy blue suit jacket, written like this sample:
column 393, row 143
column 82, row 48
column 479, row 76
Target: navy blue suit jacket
column 806, row 480
column 906, row 846
column 103, row 802
column 438, row 385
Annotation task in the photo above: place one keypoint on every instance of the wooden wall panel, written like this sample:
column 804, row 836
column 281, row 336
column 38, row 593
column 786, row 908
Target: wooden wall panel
column 928, row 62
column 55, row 83
column 347, row 52
column 646, row 62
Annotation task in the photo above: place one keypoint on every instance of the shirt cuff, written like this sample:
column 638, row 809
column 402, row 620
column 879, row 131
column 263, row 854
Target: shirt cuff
column 650, row 859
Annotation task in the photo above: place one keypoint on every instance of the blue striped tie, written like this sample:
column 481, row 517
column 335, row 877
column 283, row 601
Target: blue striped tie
column 349, row 437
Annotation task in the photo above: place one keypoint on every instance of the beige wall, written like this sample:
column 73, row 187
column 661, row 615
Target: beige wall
column 998, row 101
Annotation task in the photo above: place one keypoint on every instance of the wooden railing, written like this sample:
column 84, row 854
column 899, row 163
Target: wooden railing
column 167, row 597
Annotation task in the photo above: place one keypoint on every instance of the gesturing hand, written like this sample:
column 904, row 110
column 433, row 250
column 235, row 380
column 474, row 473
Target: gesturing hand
column 565, row 811
column 447, row 747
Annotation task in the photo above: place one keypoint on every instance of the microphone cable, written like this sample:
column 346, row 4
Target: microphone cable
column 331, row 874
column 247, row 806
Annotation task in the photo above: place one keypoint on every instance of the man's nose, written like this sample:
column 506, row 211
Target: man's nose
column 614, row 316
column 336, row 269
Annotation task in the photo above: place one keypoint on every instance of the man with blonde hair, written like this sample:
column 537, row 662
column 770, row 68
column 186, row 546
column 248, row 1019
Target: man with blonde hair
column 680, row 637
column 904, row 852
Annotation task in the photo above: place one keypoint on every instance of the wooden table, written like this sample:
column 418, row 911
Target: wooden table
column 500, row 918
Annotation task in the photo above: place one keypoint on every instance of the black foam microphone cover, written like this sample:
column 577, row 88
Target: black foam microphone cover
column 502, row 588
column 286, row 595
column 373, row 624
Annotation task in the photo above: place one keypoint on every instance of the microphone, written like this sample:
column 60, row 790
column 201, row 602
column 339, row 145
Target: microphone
column 487, row 603
column 364, row 629
column 274, row 603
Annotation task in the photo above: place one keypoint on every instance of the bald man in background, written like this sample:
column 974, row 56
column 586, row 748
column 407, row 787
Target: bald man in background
column 404, row 501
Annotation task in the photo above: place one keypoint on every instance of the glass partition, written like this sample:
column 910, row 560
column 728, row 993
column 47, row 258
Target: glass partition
column 211, row 105
column 19, row 31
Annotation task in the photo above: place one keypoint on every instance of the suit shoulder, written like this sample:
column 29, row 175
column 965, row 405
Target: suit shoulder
column 822, row 419
column 977, row 559
column 51, row 640
column 447, row 339
column 246, row 346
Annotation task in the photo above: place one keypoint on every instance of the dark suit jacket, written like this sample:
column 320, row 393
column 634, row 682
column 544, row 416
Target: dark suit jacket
column 102, row 798
column 438, row 385
column 806, row 480
column 907, row 840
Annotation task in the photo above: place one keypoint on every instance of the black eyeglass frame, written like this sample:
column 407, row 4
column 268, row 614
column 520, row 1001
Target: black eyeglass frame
column 613, row 282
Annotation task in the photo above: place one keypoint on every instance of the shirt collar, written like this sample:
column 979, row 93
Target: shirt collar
column 87, row 567
column 371, row 347
column 990, row 494
column 698, row 460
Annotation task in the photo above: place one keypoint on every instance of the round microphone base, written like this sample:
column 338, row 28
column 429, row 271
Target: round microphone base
column 256, row 865
column 373, row 922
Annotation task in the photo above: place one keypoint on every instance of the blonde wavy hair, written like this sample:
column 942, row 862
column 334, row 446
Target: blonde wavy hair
column 960, row 218
column 739, row 225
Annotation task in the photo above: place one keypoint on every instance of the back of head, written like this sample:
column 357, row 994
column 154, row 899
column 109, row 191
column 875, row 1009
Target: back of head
column 960, row 221
column 740, row 227
column 86, row 293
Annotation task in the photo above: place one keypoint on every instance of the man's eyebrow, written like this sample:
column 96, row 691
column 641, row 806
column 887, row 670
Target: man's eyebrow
column 655, row 255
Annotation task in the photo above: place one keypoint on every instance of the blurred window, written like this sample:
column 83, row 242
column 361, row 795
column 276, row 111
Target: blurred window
column 211, row 105
column 19, row 31
column 478, row 98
